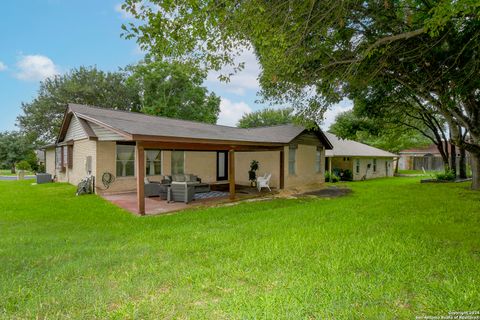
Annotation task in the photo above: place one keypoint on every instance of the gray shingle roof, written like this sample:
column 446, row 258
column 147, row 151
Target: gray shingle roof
column 140, row 124
column 350, row 148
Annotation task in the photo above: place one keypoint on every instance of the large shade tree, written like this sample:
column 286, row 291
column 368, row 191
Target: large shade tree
column 15, row 147
column 313, row 53
column 268, row 117
column 174, row 90
column 390, row 136
column 42, row 117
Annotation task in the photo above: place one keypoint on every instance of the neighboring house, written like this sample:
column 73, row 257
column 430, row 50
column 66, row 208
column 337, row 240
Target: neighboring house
column 364, row 161
column 104, row 141
column 427, row 158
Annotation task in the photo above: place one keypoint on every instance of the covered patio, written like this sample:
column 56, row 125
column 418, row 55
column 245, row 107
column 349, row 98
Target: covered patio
column 149, row 205
column 155, row 205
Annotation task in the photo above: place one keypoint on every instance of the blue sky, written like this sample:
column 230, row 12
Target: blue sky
column 41, row 38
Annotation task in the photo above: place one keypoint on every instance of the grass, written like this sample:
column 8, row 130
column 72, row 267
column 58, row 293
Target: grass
column 9, row 173
column 394, row 248
column 417, row 172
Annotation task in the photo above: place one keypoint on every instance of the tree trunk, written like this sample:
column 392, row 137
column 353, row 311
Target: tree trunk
column 453, row 158
column 475, row 170
column 12, row 169
column 462, row 163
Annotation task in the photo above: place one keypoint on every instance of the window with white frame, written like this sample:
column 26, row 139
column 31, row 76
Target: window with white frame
column 318, row 161
column 153, row 162
column 125, row 160
column 357, row 166
column 178, row 162
column 292, row 159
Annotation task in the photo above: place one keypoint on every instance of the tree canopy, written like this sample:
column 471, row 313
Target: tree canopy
column 268, row 117
column 388, row 136
column 173, row 90
column 15, row 147
column 42, row 117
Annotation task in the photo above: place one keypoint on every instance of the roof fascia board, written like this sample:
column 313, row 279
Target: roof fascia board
column 209, row 141
column 106, row 126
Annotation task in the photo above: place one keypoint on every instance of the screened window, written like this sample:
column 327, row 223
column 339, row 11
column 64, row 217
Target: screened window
column 178, row 162
column 58, row 158
column 153, row 165
column 292, row 157
column 357, row 166
column 318, row 159
column 65, row 157
column 125, row 160
column 374, row 165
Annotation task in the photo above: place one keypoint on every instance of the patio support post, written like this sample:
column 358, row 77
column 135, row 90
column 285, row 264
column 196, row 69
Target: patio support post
column 231, row 173
column 330, row 166
column 140, row 172
column 282, row 169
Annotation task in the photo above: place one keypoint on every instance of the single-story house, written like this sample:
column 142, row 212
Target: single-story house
column 363, row 161
column 428, row 158
column 129, row 146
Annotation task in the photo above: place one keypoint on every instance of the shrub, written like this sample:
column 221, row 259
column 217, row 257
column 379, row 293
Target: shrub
column 331, row 178
column 448, row 175
column 23, row 165
column 347, row 175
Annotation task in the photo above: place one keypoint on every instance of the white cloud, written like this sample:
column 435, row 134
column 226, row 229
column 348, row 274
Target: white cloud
column 35, row 68
column 123, row 13
column 246, row 79
column 231, row 112
column 330, row 114
column 3, row 67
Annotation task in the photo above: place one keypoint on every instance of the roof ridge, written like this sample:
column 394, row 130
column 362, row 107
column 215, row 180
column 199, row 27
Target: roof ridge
column 153, row 116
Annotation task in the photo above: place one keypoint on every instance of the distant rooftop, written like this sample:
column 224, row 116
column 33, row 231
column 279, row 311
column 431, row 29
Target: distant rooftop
column 350, row 148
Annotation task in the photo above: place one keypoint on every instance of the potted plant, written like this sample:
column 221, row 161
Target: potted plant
column 252, row 174
column 22, row 166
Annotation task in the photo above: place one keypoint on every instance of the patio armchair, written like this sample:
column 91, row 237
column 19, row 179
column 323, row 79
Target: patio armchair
column 155, row 189
column 180, row 192
column 262, row 182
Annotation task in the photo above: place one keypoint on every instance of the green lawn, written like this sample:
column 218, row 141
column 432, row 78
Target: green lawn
column 394, row 248
column 417, row 172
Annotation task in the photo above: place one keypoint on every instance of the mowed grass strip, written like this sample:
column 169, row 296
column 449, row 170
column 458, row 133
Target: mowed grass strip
column 394, row 248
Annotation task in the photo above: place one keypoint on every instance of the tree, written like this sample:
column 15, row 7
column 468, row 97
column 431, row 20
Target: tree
column 174, row 90
column 268, row 117
column 42, row 117
column 387, row 136
column 314, row 53
column 14, row 147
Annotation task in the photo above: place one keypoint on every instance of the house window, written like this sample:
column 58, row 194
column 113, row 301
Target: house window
column 357, row 166
column 59, row 158
column 69, row 157
column 292, row 156
column 374, row 165
column 318, row 159
column 153, row 162
column 125, row 160
column 178, row 162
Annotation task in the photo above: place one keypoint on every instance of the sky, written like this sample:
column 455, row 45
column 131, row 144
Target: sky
column 41, row 38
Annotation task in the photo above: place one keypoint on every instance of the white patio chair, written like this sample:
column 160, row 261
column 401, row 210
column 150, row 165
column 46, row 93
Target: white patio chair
column 262, row 182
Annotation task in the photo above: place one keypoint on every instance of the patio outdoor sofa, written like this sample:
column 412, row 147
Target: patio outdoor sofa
column 155, row 189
